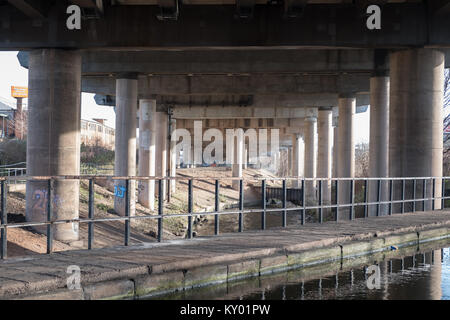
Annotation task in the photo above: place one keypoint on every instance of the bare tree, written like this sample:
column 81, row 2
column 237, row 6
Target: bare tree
column 446, row 121
column 362, row 160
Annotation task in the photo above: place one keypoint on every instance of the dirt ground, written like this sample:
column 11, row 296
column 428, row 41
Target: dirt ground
column 25, row 241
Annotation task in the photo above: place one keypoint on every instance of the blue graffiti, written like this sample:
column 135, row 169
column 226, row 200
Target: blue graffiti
column 119, row 191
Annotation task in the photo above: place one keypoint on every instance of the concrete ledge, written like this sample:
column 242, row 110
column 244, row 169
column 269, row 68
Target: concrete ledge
column 401, row 239
column 117, row 273
column 198, row 277
column 430, row 234
column 244, row 269
column 111, row 290
column 272, row 264
column 159, row 283
column 57, row 295
column 351, row 249
column 314, row 256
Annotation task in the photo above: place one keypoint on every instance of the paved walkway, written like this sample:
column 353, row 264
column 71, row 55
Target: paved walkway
column 49, row 272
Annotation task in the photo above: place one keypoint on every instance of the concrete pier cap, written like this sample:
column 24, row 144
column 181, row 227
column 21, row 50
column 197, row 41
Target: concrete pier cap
column 53, row 140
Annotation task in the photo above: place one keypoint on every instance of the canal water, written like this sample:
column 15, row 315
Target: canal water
column 417, row 272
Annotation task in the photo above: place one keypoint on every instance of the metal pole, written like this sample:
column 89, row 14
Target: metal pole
column 216, row 208
column 263, row 204
column 284, row 222
column 190, row 203
column 391, row 192
column 352, row 192
column 434, row 194
column 320, row 202
column 49, row 217
column 91, row 214
column 4, row 220
column 378, row 197
column 403, row 195
column 366, row 211
column 169, row 156
column 424, row 193
column 336, row 191
column 414, row 195
column 443, row 194
column 303, row 218
column 160, row 211
column 127, row 212
column 241, row 205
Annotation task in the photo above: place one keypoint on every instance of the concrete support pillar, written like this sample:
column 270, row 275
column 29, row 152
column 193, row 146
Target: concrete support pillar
column 324, row 131
column 162, row 122
column 310, row 156
column 298, row 153
column 53, row 140
column 275, row 159
column 238, row 154
column 346, row 148
column 173, row 157
column 245, row 160
column 335, row 145
column 125, row 141
column 289, row 162
column 415, row 113
column 379, row 141
column 146, row 189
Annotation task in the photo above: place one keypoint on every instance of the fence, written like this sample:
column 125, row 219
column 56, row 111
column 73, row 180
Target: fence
column 319, row 205
column 293, row 195
column 13, row 170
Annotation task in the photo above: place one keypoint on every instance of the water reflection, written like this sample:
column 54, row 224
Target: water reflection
column 408, row 273
column 420, row 276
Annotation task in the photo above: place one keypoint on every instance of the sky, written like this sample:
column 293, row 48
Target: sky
column 12, row 74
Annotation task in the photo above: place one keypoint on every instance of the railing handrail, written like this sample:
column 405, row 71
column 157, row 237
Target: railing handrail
column 5, row 166
column 349, row 201
column 182, row 178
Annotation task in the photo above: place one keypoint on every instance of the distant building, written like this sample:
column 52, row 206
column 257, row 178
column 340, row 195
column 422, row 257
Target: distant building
column 96, row 133
column 13, row 122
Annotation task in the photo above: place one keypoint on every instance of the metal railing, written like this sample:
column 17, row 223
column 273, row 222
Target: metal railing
column 338, row 204
column 13, row 170
column 96, row 169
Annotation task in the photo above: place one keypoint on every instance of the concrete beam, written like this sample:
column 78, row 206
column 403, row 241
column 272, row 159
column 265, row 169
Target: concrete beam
column 28, row 9
column 256, row 101
column 175, row 85
column 226, row 61
column 275, row 112
column 242, row 112
column 234, row 62
column 326, row 25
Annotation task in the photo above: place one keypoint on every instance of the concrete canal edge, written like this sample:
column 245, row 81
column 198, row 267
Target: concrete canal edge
column 162, row 279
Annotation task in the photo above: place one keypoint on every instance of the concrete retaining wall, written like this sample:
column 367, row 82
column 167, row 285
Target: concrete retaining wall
column 160, row 281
